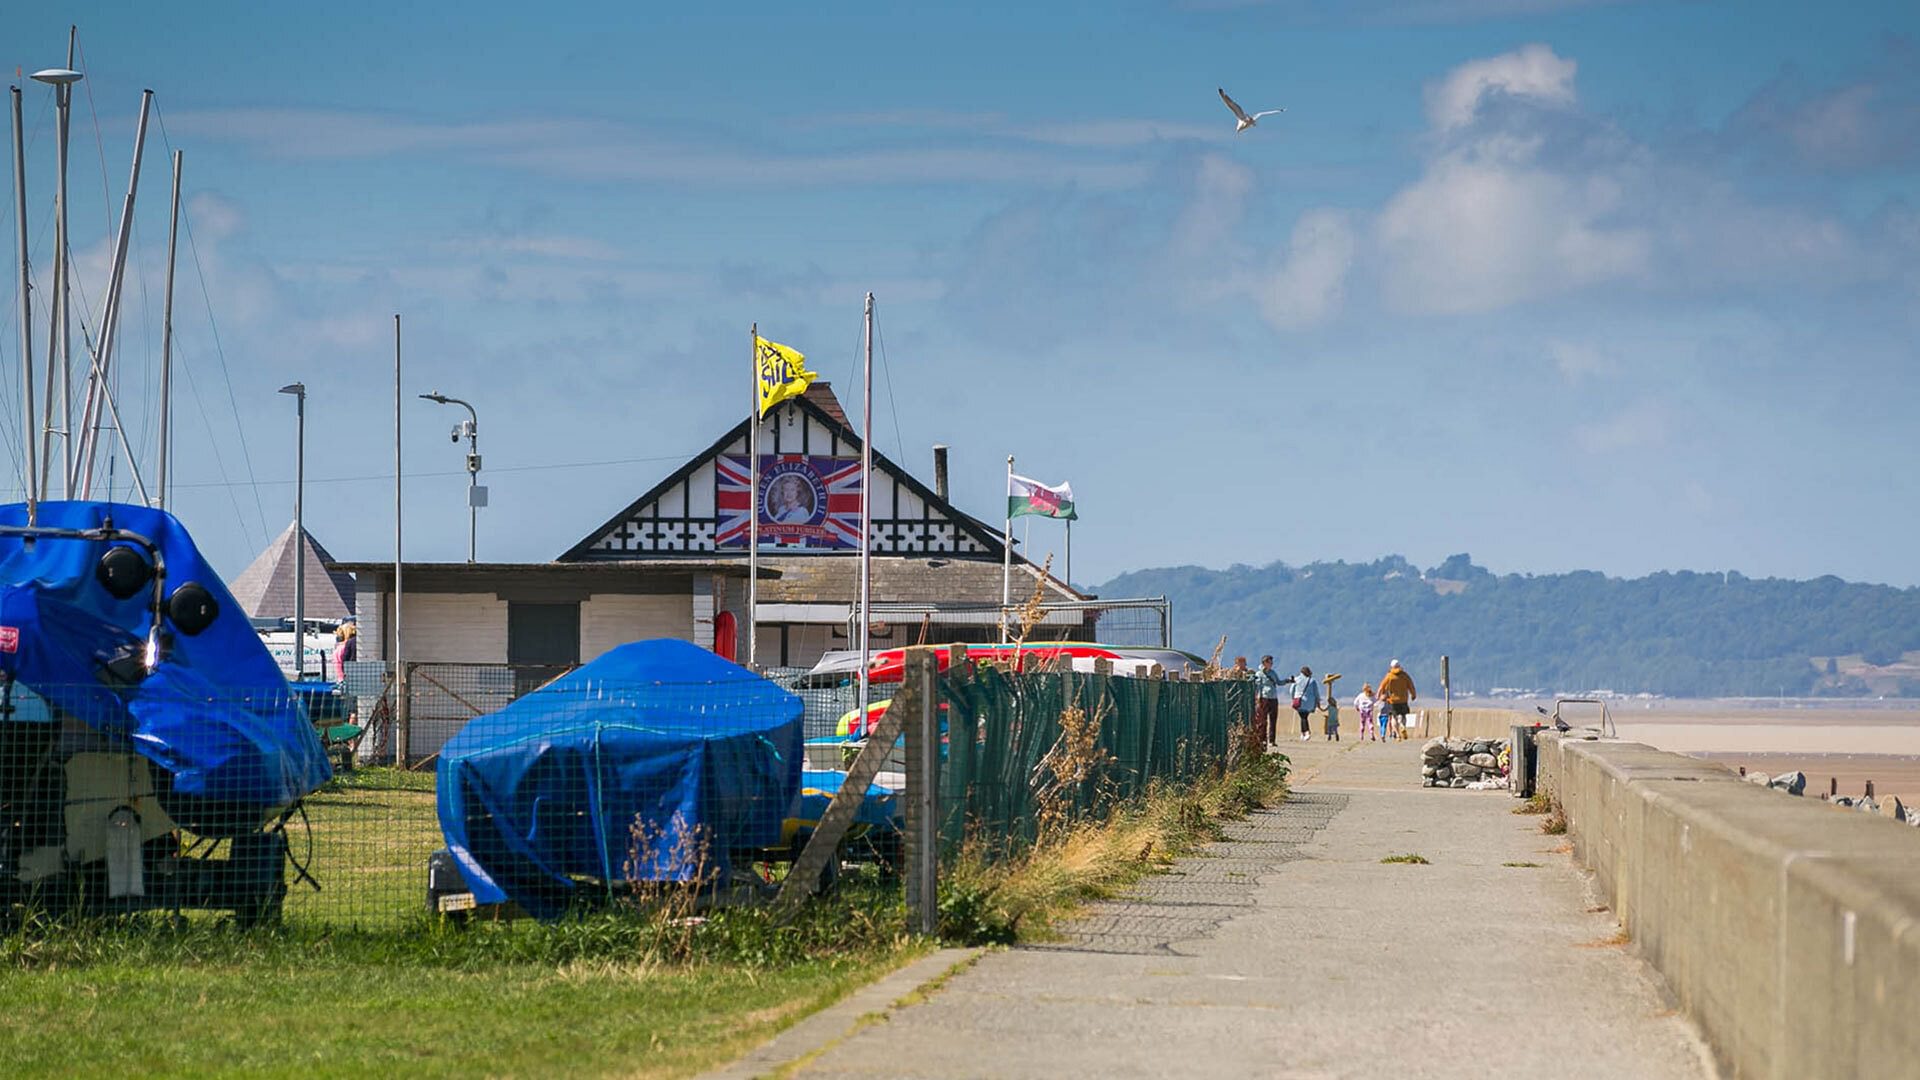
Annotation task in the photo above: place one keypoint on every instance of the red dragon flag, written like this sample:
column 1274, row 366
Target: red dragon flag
column 1031, row 497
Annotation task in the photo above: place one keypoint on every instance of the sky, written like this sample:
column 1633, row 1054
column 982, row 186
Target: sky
column 1603, row 285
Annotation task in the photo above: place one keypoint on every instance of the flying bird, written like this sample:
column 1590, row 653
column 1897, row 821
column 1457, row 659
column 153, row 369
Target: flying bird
column 1241, row 114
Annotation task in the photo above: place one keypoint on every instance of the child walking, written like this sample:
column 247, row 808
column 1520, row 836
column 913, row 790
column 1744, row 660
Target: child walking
column 1363, row 705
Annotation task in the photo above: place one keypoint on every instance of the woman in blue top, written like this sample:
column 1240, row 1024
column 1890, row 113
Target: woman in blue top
column 1306, row 698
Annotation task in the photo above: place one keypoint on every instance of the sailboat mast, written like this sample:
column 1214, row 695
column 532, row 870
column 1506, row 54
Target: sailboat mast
column 866, row 508
column 166, row 345
column 60, row 322
column 98, row 389
column 30, row 478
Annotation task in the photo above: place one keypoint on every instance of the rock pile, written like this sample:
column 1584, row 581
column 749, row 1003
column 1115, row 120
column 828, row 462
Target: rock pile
column 1795, row 783
column 1464, row 763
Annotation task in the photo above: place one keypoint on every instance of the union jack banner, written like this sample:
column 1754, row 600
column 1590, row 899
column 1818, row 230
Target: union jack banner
column 805, row 502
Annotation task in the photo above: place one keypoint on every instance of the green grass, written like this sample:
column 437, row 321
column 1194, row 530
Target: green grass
column 614, row 993
column 372, row 831
column 341, row 1017
column 1410, row 860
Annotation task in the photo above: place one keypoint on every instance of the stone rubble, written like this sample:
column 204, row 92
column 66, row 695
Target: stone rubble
column 1795, row 783
column 1464, row 763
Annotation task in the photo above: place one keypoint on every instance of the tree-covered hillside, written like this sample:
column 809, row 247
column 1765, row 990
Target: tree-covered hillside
column 1682, row 633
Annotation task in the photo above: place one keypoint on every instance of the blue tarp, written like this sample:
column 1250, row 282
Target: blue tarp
column 662, row 738
column 216, row 715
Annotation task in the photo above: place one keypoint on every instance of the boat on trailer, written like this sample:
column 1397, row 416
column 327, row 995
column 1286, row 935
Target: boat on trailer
column 151, row 753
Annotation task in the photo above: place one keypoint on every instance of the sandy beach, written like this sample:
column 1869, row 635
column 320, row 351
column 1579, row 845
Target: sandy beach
column 1850, row 743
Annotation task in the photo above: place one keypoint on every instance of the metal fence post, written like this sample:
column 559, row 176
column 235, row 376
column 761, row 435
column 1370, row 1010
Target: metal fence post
column 923, row 790
column 402, row 712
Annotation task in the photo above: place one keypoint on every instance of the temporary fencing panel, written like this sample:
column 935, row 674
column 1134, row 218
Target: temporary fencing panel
column 1028, row 750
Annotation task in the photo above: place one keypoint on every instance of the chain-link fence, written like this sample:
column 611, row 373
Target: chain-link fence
column 529, row 793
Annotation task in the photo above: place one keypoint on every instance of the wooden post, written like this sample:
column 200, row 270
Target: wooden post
column 824, row 844
column 921, row 682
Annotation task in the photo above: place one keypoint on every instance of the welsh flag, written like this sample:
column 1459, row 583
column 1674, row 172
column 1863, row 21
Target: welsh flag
column 1026, row 496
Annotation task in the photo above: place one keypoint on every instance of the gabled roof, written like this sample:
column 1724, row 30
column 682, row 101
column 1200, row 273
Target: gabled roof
column 265, row 588
column 820, row 403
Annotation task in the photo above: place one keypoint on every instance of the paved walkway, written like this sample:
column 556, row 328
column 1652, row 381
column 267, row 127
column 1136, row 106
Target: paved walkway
column 1290, row 950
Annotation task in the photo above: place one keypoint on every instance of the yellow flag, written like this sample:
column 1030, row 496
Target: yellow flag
column 782, row 372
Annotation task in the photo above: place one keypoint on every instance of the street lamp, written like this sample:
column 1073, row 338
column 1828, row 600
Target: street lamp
column 299, row 392
column 476, row 495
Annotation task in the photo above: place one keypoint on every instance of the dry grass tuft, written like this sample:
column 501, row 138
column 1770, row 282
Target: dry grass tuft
column 1555, row 823
column 1537, row 803
column 985, row 900
column 1075, row 763
column 1414, row 859
column 1031, row 613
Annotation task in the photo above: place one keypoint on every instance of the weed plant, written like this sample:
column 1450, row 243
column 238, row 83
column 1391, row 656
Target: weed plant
column 987, row 901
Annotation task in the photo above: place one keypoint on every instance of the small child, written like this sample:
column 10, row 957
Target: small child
column 1363, row 704
column 1333, row 717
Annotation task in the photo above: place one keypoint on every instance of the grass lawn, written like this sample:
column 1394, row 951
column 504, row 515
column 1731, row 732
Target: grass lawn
column 341, row 1016
column 359, row 980
column 373, row 829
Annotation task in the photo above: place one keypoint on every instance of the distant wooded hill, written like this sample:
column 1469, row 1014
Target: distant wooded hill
column 1682, row 634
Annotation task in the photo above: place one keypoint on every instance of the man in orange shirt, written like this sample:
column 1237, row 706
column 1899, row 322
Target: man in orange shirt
column 1396, row 698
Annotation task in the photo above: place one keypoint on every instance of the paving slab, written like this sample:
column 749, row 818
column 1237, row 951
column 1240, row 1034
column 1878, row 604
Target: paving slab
column 1291, row 950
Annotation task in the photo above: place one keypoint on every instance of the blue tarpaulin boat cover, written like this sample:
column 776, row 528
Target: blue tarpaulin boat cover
column 216, row 715
column 653, row 762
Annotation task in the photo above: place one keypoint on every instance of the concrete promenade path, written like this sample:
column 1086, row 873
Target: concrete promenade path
column 1290, row 950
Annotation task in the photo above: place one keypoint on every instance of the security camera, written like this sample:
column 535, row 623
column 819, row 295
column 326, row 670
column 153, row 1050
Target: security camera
column 456, row 433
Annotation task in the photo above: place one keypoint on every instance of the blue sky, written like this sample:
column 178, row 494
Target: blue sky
column 1622, row 286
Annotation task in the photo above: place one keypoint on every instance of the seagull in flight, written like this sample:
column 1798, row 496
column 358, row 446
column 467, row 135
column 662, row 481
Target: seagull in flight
column 1240, row 113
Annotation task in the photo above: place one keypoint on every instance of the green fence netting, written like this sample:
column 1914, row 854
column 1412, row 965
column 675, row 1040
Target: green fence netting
column 1024, row 750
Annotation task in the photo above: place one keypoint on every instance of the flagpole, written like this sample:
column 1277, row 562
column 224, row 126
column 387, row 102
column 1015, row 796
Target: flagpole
column 866, row 510
column 1069, row 578
column 753, row 509
column 1006, row 567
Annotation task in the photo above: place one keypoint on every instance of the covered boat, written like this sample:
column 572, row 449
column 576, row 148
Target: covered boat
column 173, row 670
column 658, row 761
column 136, row 701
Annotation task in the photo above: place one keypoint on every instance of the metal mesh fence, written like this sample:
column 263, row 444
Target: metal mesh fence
column 536, row 798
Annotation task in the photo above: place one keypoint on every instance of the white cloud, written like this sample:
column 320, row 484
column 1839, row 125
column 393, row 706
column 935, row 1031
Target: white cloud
column 1091, row 154
column 1310, row 285
column 216, row 216
column 1533, row 71
column 1209, row 224
column 1477, row 235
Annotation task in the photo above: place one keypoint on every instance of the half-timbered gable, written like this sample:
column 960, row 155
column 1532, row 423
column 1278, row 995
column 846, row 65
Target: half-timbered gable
column 810, row 485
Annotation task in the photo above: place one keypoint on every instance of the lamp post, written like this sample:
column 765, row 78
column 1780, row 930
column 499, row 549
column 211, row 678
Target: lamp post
column 476, row 495
column 299, row 392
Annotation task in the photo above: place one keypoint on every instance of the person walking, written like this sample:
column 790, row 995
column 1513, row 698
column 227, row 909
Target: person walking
column 1363, row 706
column 1398, row 694
column 1266, row 706
column 1306, row 699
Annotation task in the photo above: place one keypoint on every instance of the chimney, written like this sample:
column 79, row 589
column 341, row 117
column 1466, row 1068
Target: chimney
column 940, row 471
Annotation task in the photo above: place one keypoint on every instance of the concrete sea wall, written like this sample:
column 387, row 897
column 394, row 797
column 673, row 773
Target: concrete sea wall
column 1789, row 930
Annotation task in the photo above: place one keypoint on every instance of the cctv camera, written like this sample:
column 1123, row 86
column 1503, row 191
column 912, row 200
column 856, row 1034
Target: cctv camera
column 456, row 433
